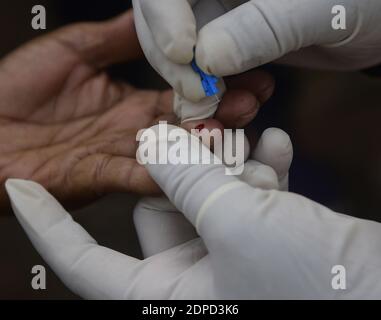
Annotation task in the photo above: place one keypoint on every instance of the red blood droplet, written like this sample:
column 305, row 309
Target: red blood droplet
column 200, row 127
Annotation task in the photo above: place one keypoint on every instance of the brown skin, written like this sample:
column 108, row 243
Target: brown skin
column 65, row 124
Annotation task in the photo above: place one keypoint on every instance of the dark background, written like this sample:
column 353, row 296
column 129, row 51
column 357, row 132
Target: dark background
column 333, row 119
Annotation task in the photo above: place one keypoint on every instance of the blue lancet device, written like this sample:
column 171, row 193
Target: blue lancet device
column 208, row 82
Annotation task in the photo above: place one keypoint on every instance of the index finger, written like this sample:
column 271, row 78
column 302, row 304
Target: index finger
column 102, row 43
column 88, row 269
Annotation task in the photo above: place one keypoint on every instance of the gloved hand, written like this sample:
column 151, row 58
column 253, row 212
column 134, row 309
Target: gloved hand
column 190, row 101
column 93, row 271
column 247, row 34
column 160, row 226
column 263, row 243
column 258, row 243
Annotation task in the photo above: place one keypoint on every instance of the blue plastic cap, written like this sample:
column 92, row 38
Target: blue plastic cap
column 208, row 82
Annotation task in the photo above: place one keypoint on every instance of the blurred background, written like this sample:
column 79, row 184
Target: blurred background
column 333, row 119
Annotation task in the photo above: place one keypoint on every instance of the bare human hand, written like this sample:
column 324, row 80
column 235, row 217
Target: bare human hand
column 65, row 124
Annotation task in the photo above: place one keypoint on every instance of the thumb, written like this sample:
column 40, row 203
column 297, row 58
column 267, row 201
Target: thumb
column 173, row 26
column 261, row 31
column 160, row 226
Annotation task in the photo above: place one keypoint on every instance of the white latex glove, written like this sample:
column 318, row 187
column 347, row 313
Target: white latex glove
column 93, row 271
column 258, row 243
column 267, row 243
column 252, row 33
column 160, row 226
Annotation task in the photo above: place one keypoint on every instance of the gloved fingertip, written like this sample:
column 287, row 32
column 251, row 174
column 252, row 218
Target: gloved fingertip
column 275, row 149
column 34, row 207
column 260, row 176
column 213, row 53
column 180, row 50
column 173, row 27
column 277, row 139
column 22, row 189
